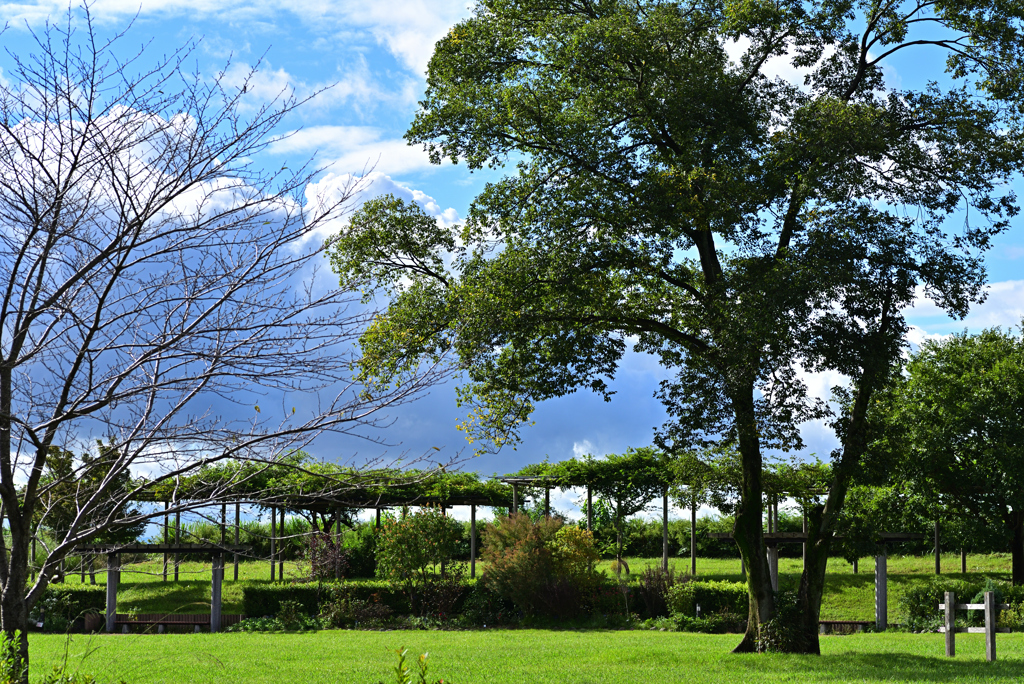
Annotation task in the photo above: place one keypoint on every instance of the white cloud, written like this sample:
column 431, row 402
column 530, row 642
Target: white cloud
column 354, row 149
column 582, row 449
column 407, row 28
column 1003, row 307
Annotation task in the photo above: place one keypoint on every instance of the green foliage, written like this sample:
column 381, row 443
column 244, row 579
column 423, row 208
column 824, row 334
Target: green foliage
column 543, row 567
column 61, row 604
column 953, row 430
column 404, row 674
column 12, row 668
column 411, row 548
column 713, row 597
column 259, row 600
column 782, row 633
column 653, row 587
column 360, row 545
column 343, row 607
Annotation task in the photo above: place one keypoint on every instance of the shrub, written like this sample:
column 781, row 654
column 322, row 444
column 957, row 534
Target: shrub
column 411, row 549
column 361, row 550
column 263, row 600
column 712, row 597
column 482, row 606
column 441, row 594
column 62, row 604
column 342, row 607
column 653, row 587
column 327, row 558
column 920, row 602
column 541, row 566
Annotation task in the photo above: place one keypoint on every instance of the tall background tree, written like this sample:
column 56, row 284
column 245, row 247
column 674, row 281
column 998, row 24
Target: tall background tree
column 952, row 429
column 155, row 289
column 671, row 194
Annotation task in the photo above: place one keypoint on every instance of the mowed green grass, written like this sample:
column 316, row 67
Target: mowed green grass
column 537, row 657
column 848, row 596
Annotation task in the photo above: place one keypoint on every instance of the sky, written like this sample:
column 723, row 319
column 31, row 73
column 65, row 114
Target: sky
column 362, row 66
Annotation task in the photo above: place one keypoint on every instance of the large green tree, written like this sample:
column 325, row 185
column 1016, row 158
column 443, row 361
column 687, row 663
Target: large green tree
column 669, row 194
column 953, row 429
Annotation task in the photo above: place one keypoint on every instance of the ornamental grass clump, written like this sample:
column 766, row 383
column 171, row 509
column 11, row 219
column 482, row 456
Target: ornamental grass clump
column 543, row 567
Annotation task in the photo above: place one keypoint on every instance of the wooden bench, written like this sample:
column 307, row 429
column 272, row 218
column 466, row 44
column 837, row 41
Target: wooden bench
column 843, row 626
column 173, row 619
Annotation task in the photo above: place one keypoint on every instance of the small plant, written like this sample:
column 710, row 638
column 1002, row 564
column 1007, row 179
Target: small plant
column 12, row 667
column 404, row 674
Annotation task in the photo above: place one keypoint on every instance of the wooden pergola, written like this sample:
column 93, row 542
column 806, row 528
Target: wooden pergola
column 114, row 551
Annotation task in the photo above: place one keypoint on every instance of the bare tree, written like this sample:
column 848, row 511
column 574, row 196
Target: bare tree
column 157, row 284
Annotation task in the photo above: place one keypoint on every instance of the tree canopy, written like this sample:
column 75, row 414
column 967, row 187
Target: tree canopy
column 669, row 193
column 953, row 430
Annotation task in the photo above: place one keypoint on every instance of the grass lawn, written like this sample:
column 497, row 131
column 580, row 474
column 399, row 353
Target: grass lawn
column 514, row 656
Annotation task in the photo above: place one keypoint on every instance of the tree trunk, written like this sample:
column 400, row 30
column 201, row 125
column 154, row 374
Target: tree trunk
column 14, row 608
column 748, row 531
column 823, row 518
column 1017, row 547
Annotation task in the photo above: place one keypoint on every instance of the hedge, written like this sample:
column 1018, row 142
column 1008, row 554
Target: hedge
column 712, row 597
column 61, row 604
column 265, row 599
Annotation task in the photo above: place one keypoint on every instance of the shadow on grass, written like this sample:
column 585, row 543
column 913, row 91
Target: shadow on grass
column 884, row 667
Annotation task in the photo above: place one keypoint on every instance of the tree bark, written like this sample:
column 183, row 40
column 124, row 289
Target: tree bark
column 748, row 531
column 1017, row 547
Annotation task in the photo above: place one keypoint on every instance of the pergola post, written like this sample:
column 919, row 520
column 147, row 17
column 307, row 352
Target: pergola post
column 167, row 534
column 590, row 509
column 280, row 547
column 804, row 545
column 693, row 537
column 177, row 540
column 963, row 560
column 938, row 564
column 472, row 540
column 664, row 530
column 215, row 591
column 337, row 540
column 515, row 498
column 273, row 540
column 223, row 524
column 238, row 512
column 547, row 501
column 113, row 576
column 773, row 564
column 881, row 591
column 378, row 518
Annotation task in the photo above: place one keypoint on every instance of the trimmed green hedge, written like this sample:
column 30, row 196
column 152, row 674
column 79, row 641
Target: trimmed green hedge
column 712, row 597
column 265, row 599
column 62, row 604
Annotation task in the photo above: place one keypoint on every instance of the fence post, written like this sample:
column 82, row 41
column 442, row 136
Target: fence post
column 990, row 626
column 950, row 623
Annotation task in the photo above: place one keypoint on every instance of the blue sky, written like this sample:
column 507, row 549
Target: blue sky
column 371, row 57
